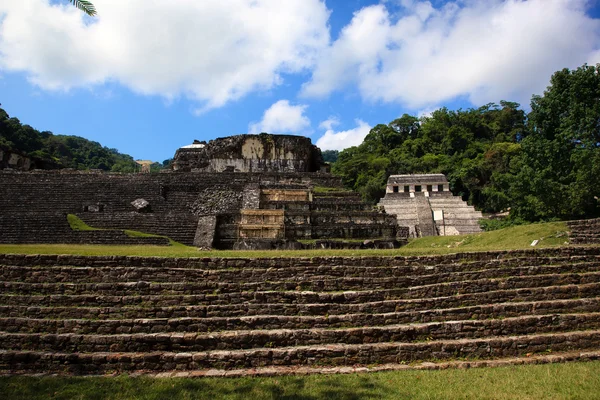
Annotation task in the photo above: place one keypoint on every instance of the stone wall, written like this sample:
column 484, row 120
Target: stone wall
column 18, row 161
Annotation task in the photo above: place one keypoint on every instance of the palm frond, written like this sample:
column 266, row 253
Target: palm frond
column 85, row 6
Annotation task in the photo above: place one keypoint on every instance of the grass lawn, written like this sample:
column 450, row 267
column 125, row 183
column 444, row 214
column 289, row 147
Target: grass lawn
column 517, row 237
column 551, row 381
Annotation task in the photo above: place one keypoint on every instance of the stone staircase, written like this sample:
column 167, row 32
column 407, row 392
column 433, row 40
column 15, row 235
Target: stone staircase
column 210, row 316
column 180, row 227
column 415, row 212
column 460, row 217
column 424, row 214
column 585, row 231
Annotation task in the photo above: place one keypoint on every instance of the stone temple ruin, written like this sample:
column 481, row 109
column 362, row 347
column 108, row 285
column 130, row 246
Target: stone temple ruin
column 251, row 153
column 425, row 204
column 246, row 191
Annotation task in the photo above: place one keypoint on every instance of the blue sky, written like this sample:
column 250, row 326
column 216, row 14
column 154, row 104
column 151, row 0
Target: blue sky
column 149, row 77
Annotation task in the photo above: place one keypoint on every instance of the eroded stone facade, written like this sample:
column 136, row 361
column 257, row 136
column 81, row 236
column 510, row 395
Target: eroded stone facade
column 251, row 153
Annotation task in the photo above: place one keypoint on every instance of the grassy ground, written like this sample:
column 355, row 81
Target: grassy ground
column 551, row 381
column 518, row 237
column 77, row 224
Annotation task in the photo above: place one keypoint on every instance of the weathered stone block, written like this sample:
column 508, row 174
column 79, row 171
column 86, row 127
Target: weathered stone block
column 205, row 233
column 141, row 205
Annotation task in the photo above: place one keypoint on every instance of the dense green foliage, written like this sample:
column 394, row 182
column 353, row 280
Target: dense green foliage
column 543, row 165
column 330, row 156
column 473, row 148
column 61, row 151
column 558, row 172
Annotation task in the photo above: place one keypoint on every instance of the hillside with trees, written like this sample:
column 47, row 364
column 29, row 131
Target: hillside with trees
column 60, row 151
column 541, row 165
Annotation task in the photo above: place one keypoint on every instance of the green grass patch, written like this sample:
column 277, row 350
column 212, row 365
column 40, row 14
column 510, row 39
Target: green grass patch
column 550, row 234
column 131, row 233
column 77, row 224
column 514, row 238
column 551, row 381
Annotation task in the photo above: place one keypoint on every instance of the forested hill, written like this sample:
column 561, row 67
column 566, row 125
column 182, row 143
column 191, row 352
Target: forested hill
column 542, row 165
column 60, row 151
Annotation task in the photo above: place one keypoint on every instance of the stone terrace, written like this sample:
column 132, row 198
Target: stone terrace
column 34, row 205
column 205, row 316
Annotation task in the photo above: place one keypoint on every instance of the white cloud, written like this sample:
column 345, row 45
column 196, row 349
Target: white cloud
column 282, row 117
column 210, row 51
column 482, row 50
column 329, row 123
column 426, row 112
column 332, row 140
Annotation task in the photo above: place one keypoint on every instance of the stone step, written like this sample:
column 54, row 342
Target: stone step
column 591, row 233
column 309, row 303
column 285, row 291
column 585, row 241
column 354, row 277
column 517, row 257
column 584, row 222
column 330, row 354
column 271, row 371
column 275, row 316
column 143, row 320
column 248, row 339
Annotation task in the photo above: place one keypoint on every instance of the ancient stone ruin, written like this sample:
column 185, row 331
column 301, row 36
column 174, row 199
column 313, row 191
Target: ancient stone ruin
column 247, row 191
column 250, row 153
column 425, row 204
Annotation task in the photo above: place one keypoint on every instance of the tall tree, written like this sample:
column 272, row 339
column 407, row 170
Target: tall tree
column 559, row 172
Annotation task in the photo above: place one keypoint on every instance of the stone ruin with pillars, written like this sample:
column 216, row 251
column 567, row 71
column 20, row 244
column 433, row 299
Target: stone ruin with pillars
column 425, row 204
